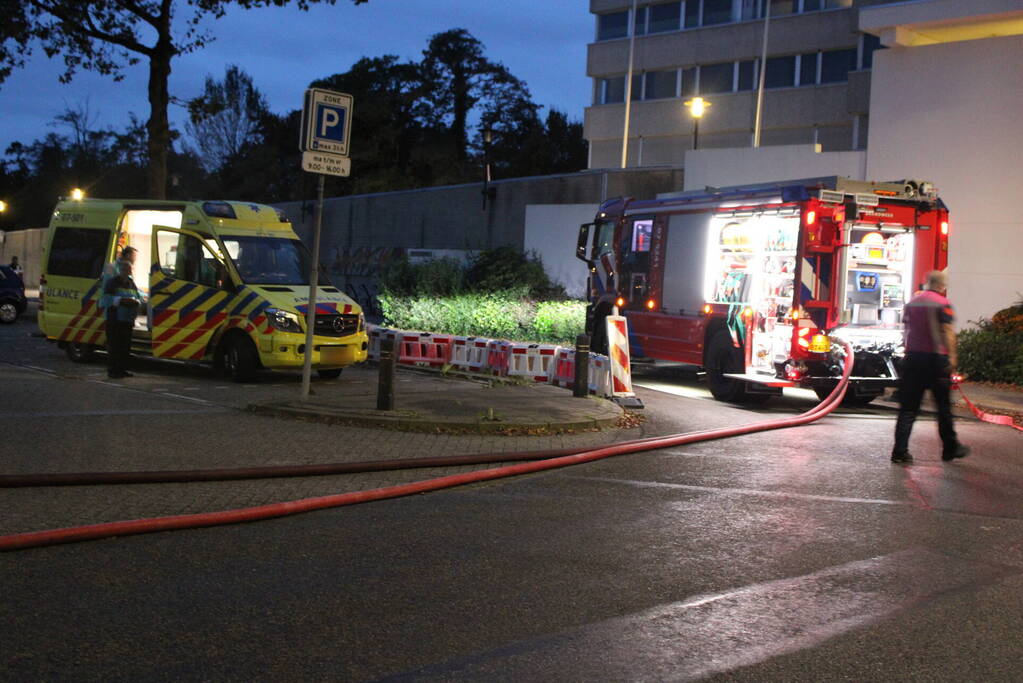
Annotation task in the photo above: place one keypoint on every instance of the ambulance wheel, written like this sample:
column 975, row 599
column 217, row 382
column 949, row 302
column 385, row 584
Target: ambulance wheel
column 8, row 312
column 333, row 373
column 80, row 353
column 722, row 359
column 240, row 361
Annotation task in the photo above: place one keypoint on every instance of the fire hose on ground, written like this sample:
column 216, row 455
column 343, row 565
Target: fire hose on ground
column 539, row 461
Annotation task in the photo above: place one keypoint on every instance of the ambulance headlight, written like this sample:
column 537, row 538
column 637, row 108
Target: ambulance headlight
column 285, row 321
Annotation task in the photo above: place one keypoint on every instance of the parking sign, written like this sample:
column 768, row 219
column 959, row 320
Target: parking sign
column 326, row 121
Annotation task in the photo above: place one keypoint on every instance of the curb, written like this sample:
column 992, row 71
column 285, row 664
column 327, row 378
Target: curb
column 408, row 420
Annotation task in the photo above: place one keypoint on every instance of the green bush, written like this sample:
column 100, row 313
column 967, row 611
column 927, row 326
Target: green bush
column 496, row 315
column 505, row 268
column 988, row 355
column 438, row 277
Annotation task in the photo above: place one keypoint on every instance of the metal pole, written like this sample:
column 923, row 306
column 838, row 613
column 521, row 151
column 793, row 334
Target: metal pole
column 696, row 132
column 385, row 380
column 628, row 86
column 310, row 316
column 763, row 72
column 581, row 384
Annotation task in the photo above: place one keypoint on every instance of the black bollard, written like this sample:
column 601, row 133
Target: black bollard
column 581, row 388
column 385, row 384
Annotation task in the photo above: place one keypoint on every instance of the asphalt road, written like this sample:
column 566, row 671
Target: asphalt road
column 797, row 554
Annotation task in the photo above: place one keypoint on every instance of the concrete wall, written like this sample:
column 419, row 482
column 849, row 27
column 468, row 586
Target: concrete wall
column 718, row 167
column 27, row 245
column 552, row 231
column 362, row 233
column 949, row 113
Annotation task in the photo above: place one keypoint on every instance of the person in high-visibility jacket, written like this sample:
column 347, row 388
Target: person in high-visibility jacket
column 930, row 362
column 121, row 299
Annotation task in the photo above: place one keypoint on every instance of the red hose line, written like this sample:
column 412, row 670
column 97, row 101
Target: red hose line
column 140, row 526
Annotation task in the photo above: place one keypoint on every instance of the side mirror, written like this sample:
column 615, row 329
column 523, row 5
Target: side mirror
column 583, row 242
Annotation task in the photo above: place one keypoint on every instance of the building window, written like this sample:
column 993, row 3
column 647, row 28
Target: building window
column 870, row 45
column 692, row 13
column 612, row 90
column 782, row 7
column 716, row 78
column 717, row 12
column 688, row 86
column 811, row 5
column 808, row 69
column 664, row 17
column 780, row 72
column 747, row 75
column 836, row 65
column 610, row 26
column 637, row 87
column 659, row 85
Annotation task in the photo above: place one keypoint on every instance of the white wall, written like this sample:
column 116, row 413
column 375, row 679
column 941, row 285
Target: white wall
column 552, row 231
column 950, row 113
column 746, row 165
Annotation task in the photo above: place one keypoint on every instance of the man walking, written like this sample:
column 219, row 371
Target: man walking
column 930, row 343
column 121, row 300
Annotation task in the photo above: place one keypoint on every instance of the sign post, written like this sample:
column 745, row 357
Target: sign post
column 326, row 124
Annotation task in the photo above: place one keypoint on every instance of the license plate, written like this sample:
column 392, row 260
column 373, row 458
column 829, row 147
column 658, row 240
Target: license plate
column 330, row 355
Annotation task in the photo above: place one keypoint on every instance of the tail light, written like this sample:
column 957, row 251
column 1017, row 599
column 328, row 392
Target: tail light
column 807, row 339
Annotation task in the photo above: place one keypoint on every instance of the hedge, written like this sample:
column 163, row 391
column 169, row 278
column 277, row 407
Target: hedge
column 495, row 315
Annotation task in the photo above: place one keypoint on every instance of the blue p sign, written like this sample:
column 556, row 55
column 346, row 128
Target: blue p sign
column 326, row 121
column 330, row 122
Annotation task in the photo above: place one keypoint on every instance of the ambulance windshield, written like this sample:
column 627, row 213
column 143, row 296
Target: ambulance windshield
column 270, row 260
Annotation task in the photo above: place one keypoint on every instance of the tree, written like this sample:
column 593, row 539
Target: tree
column 107, row 35
column 225, row 118
column 386, row 94
column 458, row 78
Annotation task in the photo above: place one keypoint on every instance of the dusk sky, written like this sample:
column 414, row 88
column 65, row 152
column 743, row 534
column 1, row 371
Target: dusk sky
column 543, row 42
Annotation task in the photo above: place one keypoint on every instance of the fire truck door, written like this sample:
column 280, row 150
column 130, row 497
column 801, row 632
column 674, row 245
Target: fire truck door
column 635, row 283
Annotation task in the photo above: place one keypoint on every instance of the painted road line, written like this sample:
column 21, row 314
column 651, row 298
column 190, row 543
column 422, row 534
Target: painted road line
column 744, row 492
column 713, row 633
column 104, row 413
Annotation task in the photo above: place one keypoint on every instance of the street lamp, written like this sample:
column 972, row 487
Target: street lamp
column 696, row 107
column 488, row 192
column 77, row 194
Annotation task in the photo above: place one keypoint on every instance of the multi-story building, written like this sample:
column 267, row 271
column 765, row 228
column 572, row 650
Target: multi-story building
column 816, row 77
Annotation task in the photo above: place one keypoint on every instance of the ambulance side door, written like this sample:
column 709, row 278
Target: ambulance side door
column 190, row 290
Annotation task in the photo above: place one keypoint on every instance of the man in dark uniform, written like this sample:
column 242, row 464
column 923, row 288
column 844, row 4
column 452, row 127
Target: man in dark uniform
column 121, row 300
column 930, row 361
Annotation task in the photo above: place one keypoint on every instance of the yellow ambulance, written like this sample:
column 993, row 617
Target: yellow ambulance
column 224, row 283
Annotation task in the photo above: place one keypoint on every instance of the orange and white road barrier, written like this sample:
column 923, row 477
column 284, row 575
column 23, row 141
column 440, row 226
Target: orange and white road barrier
column 618, row 351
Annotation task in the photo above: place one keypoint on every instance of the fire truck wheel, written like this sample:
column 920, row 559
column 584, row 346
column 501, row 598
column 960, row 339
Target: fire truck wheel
column 80, row 353
column 723, row 358
column 598, row 341
column 850, row 399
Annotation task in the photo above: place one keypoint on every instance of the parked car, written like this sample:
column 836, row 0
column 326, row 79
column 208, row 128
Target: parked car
column 12, row 295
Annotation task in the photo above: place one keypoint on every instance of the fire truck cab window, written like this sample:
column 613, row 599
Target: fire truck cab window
column 603, row 238
column 878, row 277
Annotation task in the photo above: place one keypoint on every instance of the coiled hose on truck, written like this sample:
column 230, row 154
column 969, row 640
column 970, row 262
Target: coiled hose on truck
column 539, row 461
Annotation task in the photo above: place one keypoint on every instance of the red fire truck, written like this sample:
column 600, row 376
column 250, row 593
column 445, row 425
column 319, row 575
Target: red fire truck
column 753, row 282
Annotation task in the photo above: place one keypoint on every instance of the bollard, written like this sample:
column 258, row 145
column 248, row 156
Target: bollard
column 385, row 384
column 581, row 387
